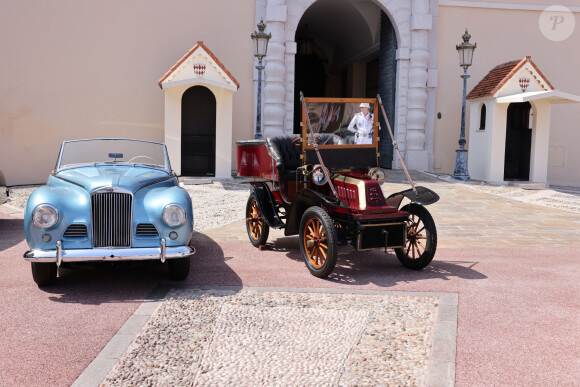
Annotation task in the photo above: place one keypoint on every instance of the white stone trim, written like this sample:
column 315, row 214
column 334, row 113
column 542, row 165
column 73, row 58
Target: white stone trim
column 403, row 53
column 505, row 6
column 552, row 97
column 199, row 81
column 422, row 22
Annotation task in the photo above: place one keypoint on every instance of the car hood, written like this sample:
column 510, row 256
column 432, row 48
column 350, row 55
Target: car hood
column 130, row 178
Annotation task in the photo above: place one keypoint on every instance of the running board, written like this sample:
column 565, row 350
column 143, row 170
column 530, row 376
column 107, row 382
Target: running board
column 266, row 202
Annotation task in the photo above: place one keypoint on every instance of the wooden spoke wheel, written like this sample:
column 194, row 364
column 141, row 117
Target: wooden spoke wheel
column 421, row 238
column 257, row 228
column 318, row 242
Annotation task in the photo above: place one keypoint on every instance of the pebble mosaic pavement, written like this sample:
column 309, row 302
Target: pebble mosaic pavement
column 250, row 337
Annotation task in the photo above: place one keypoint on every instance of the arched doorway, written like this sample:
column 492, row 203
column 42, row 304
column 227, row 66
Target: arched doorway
column 198, row 132
column 518, row 142
column 347, row 49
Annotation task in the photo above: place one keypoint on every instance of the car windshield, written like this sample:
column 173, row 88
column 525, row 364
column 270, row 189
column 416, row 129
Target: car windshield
column 113, row 151
column 345, row 123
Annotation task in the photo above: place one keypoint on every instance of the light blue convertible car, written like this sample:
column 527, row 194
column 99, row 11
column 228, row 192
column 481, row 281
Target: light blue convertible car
column 109, row 200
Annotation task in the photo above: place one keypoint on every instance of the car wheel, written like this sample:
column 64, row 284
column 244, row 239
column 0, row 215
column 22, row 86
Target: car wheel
column 257, row 228
column 179, row 268
column 421, row 238
column 318, row 242
column 43, row 273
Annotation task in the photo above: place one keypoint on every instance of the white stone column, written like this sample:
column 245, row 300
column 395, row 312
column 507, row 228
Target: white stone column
column 421, row 22
column 291, row 49
column 540, row 141
column 478, row 161
column 401, row 105
column 275, row 74
column 497, row 125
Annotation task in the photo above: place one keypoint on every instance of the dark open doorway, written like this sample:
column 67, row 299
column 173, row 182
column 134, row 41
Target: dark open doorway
column 347, row 49
column 198, row 132
column 518, row 142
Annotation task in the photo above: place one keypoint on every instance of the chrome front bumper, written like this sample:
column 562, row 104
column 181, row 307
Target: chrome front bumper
column 108, row 254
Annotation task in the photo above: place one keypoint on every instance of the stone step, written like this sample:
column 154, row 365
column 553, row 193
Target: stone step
column 196, row 180
column 530, row 185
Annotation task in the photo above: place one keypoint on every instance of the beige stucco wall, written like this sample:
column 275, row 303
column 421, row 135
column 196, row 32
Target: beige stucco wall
column 503, row 35
column 79, row 69
column 76, row 69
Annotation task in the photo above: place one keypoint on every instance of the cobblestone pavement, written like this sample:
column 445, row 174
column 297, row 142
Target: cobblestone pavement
column 468, row 216
column 260, row 338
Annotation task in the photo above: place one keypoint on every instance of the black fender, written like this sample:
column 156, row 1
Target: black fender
column 302, row 201
column 267, row 204
column 423, row 196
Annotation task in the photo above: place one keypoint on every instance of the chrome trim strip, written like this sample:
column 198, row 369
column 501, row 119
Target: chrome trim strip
column 88, row 255
column 68, row 181
column 117, row 165
column 114, row 139
column 155, row 182
column 58, row 169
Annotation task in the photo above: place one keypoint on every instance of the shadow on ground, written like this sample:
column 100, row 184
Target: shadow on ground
column 99, row 283
column 380, row 268
column 10, row 232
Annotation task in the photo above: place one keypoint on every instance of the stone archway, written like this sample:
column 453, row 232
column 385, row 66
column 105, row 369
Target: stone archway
column 415, row 78
column 347, row 49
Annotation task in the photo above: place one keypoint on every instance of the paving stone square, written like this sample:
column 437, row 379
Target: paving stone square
column 249, row 338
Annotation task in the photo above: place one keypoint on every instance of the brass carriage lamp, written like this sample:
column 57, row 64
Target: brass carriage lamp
column 260, row 39
column 465, row 50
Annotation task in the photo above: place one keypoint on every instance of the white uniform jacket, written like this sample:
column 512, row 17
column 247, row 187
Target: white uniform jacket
column 363, row 127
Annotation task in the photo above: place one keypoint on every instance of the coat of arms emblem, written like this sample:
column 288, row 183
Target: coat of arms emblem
column 199, row 69
column 524, row 83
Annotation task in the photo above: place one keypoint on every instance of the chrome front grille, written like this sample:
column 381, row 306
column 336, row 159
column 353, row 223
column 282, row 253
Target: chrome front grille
column 146, row 229
column 76, row 231
column 112, row 213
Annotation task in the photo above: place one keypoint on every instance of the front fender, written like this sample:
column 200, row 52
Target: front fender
column 73, row 205
column 423, row 196
column 148, row 205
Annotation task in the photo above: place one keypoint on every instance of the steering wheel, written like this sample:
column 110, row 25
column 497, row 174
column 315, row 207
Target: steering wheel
column 145, row 157
column 297, row 141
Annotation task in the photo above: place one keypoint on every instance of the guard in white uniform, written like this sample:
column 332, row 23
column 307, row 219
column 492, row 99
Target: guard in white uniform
column 362, row 125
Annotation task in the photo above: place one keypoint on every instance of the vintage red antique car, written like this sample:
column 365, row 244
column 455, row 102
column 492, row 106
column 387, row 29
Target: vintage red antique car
column 325, row 186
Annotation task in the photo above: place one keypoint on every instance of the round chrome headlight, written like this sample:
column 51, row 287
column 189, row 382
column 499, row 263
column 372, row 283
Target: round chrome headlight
column 378, row 174
column 173, row 215
column 44, row 216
